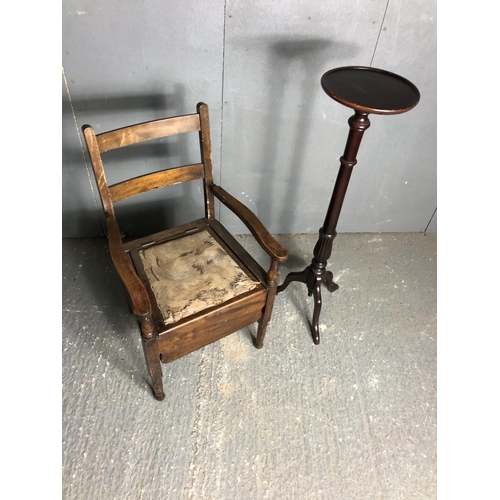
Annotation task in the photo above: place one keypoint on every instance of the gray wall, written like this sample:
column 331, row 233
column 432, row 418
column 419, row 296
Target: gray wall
column 276, row 136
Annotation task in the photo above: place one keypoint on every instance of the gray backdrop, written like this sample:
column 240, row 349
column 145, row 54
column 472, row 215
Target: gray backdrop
column 276, row 136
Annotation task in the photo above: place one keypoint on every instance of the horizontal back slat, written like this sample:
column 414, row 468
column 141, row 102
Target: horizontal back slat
column 144, row 183
column 147, row 131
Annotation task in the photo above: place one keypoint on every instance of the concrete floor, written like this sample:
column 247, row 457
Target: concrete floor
column 351, row 418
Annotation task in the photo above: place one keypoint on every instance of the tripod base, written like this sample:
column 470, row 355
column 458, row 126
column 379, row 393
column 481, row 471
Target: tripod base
column 313, row 280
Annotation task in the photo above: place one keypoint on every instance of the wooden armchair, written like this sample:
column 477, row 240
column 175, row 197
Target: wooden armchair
column 194, row 284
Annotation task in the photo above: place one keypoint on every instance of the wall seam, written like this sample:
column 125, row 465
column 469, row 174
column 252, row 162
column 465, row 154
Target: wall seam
column 222, row 90
column 82, row 149
column 430, row 220
column 379, row 33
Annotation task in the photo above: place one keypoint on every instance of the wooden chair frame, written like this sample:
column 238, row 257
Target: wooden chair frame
column 165, row 343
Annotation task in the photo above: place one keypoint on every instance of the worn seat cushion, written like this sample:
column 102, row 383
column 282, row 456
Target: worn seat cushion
column 192, row 273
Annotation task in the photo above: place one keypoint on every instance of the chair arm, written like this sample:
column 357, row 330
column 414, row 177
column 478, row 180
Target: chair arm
column 266, row 240
column 141, row 306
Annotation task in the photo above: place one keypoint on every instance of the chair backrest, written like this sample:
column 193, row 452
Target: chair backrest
column 126, row 136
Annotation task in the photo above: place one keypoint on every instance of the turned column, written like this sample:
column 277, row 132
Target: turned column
column 365, row 90
column 315, row 274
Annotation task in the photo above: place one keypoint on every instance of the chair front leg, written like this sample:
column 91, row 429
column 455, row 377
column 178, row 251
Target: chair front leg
column 153, row 364
column 152, row 355
column 268, row 308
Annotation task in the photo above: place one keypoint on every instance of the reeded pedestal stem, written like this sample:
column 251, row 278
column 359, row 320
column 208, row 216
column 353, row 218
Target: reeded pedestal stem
column 315, row 274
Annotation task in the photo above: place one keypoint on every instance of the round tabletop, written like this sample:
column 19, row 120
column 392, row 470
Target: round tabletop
column 370, row 90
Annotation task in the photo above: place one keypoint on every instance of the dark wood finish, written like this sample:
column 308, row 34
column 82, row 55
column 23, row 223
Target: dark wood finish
column 274, row 249
column 167, row 234
column 132, row 187
column 138, row 297
column 238, row 251
column 167, row 342
column 217, row 230
column 370, row 90
column 148, row 131
column 365, row 90
column 194, row 333
column 206, row 155
column 153, row 364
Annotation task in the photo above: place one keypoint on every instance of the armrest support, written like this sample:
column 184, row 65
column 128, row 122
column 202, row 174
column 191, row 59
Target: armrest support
column 141, row 306
column 266, row 240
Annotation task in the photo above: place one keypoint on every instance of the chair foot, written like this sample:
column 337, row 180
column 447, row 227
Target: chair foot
column 256, row 343
column 315, row 336
column 159, row 396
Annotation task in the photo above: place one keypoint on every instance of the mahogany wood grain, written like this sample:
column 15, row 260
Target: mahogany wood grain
column 370, row 90
column 238, row 251
column 126, row 136
column 153, row 364
column 260, row 233
column 166, row 234
column 213, row 324
column 141, row 305
column 365, row 90
column 97, row 166
column 206, row 155
column 136, row 291
column 144, row 183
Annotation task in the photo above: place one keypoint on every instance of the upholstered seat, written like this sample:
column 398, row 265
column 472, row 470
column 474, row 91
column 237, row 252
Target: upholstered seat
column 192, row 273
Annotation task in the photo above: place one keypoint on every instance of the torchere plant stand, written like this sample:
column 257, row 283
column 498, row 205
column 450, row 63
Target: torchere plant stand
column 365, row 90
